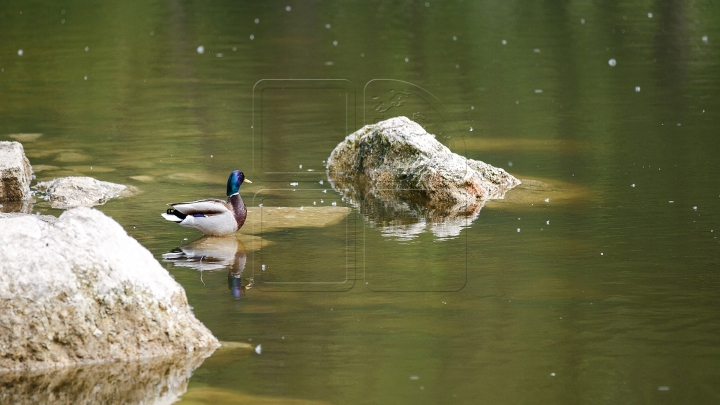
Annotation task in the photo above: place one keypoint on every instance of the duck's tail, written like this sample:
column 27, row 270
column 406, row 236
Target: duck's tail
column 173, row 215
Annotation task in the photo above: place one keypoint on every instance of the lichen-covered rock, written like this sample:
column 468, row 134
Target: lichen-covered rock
column 82, row 291
column 71, row 192
column 404, row 181
column 15, row 172
column 399, row 155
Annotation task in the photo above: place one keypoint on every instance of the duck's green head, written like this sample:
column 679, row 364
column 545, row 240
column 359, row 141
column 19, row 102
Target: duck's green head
column 236, row 179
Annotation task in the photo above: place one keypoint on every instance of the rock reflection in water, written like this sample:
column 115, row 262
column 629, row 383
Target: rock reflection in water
column 214, row 253
column 405, row 214
column 159, row 380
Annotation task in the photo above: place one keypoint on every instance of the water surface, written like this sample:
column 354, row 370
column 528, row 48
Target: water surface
column 607, row 292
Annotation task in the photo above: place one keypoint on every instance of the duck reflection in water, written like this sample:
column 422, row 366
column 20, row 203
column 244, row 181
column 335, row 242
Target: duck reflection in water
column 211, row 253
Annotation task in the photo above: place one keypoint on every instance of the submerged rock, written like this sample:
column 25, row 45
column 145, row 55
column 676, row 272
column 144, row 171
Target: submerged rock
column 403, row 180
column 71, row 192
column 83, row 291
column 15, row 172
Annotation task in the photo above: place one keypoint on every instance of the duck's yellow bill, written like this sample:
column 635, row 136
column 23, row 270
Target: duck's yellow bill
column 247, row 181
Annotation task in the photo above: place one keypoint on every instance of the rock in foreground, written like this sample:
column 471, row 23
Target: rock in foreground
column 71, row 192
column 15, row 172
column 82, row 291
column 399, row 155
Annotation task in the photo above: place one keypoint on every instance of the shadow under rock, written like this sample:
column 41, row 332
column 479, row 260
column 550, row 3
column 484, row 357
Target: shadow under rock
column 405, row 214
column 160, row 380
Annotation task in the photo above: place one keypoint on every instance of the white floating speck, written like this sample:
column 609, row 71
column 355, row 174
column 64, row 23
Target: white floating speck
column 252, row 37
column 87, row 48
column 288, row 8
column 663, row 388
column 536, row 50
column 612, row 62
column 300, row 167
column 20, row 52
column 327, row 26
column 335, row 43
column 85, row 77
column 601, row 253
column 335, row 203
column 518, row 229
column 637, row 89
column 263, row 267
column 510, row 163
column 705, row 39
column 695, row 208
column 294, row 183
column 260, row 205
column 185, row 239
column 547, row 222
column 258, row 349
column 472, row 107
column 322, row 202
column 314, row 202
column 407, row 60
column 321, row 182
column 632, row 185
column 427, row 4
column 454, row 38
column 325, row 191
column 200, row 49
column 414, row 377
column 552, row 374
column 457, row 66
column 671, row 201
column 471, row 129
column 538, row 91
column 234, row 48
column 504, row 42
column 257, row 21
column 547, row 200
column 649, row 15
column 582, row 21
column 219, row 55
column 329, row 63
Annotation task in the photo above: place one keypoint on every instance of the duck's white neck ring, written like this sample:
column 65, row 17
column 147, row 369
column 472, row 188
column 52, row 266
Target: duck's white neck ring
column 234, row 194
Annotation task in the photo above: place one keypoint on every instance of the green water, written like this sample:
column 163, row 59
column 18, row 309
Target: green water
column 607, row 294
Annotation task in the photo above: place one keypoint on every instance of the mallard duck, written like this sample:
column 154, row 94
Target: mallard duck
column 212, row 216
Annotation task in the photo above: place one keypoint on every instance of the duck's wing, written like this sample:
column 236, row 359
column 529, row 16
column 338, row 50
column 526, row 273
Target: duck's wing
column 204, row 207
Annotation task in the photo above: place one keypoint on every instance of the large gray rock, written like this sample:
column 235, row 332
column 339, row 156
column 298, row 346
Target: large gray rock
column 399, row 155
column 71, row 192
column 83, row 291
column 15, row 172
column 406, row 182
